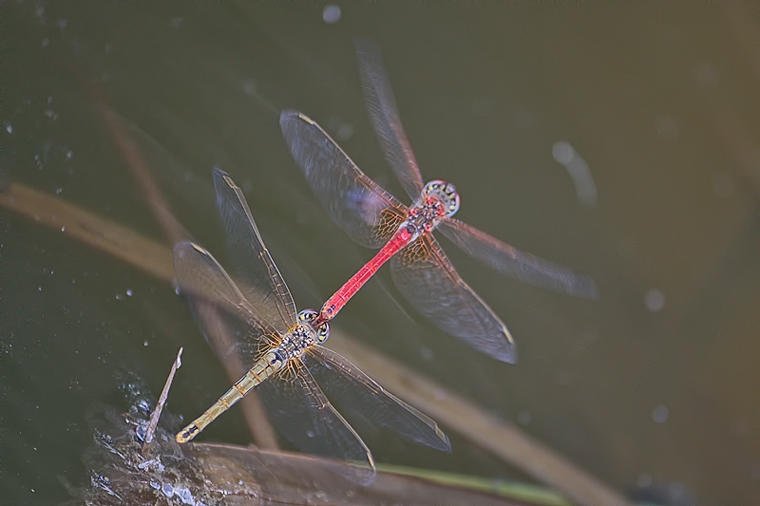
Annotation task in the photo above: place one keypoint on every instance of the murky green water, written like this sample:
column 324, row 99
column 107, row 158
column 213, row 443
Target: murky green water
column 654, row 385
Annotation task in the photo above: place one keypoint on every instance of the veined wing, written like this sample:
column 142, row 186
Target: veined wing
column 353, row 201
column 355, row 392
column 382, row 109
column 424, row 274
column 301, row 412
column 254, row 270
column 512, row 262
column 201, row 278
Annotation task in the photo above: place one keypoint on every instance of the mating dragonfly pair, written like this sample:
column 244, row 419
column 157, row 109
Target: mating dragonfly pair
column 294, row 374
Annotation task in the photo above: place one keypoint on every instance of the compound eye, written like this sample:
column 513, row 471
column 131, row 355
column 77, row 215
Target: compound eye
column 445, row 192
column 433, row 186
column 323, row 332
column 453, row 204
column 307, row 315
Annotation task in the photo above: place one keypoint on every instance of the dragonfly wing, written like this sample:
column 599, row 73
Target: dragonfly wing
column 203, row 281
column 425, row 276
column 253, row 267
column 512, row 262
column 382, row 109
column 356, row 393
column 353, row 201
column 299, row 409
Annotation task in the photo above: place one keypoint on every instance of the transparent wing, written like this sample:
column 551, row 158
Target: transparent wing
column 301, row 412
column 426, row 277
column 203, row 280
column 254, row 270
column 355, row 392
column 353, row 201
column 512, row 262
column 382, row 109
column 296, row 405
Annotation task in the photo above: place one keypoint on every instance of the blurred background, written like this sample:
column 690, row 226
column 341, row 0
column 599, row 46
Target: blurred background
column 622, row 141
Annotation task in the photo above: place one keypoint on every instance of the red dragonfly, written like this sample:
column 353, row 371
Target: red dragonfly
column 376, row 219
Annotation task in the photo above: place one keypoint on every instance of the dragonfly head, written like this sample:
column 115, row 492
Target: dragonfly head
column 321, row 332
column 445, row 192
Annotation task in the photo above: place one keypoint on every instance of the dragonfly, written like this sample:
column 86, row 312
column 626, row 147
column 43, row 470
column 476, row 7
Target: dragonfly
column 374, row 218
column 295, row 375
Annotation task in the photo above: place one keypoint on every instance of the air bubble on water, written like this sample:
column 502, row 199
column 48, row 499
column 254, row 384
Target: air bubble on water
column 666, row 126
column 341, row 129
column 45, row 42
column 8, row 126
column 58, row 191
column 654, row 300
column 129, row 293
column 331, row 14
column 249, row 87
column 345, row 131
column 660, row 414
column 310, row 433
column 69, row 154
column 566, row 155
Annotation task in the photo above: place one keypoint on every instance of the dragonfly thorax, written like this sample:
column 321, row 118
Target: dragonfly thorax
column 298, row 339
column 302, row 336
column 438, row 200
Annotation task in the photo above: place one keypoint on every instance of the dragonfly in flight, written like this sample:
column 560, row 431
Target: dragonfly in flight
column 295, row 375
column 376, row 219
